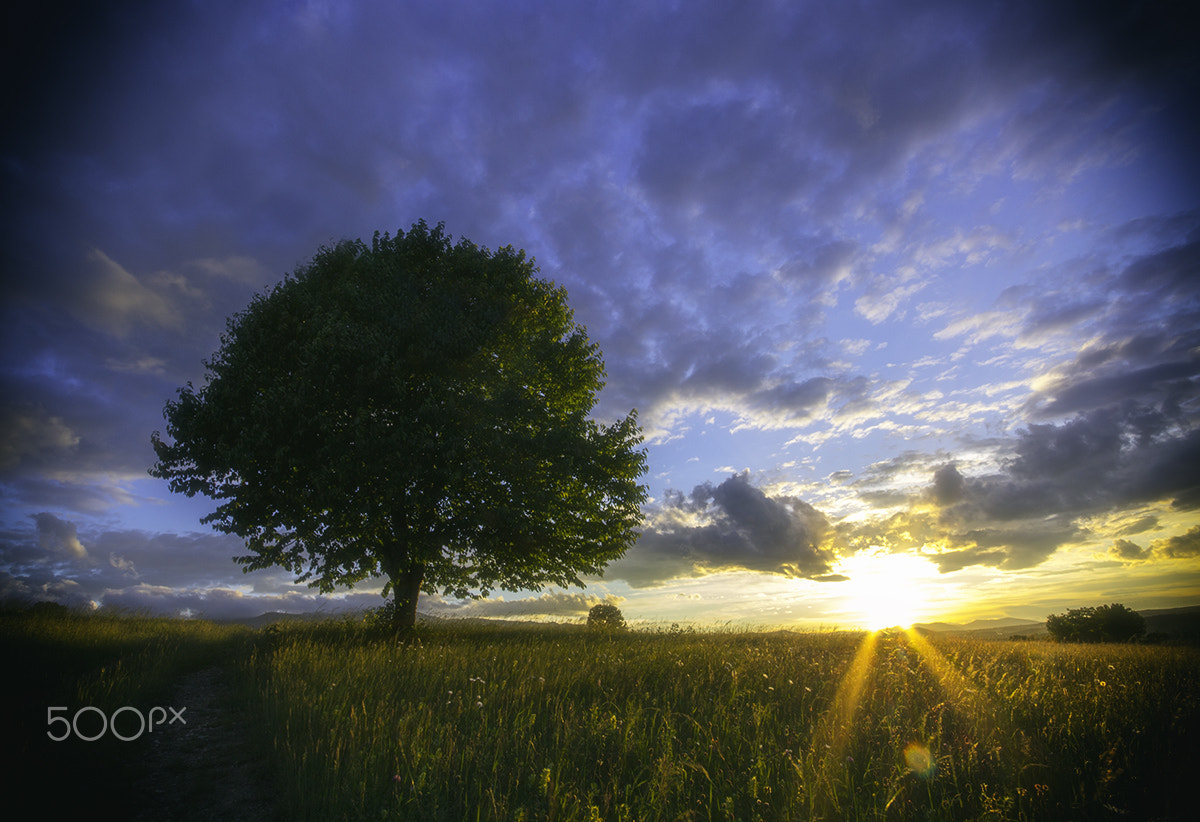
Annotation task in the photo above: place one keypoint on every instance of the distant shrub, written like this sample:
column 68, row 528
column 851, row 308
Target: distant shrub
column 382, row 616
column 50, row 609
column 1106, row 623
column 606, row 617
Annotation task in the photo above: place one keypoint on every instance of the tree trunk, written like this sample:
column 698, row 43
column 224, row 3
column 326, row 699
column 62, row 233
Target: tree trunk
column 406, row 588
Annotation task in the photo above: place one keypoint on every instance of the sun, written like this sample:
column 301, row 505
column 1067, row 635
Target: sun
column 886, row 590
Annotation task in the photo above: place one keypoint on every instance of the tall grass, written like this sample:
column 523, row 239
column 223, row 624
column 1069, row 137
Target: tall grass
column 558, row 723
column 503, row 724
column 110, row 659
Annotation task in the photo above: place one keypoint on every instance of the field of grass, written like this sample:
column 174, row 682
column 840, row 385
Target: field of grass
column 507, row 723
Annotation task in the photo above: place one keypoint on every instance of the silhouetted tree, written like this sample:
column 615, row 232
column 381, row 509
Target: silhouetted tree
column 606, row 617
column 412, row 409
column 1106, row 623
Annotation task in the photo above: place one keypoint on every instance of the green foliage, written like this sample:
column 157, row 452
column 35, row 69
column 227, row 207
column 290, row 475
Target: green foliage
column 413, row 409
column 1106, row 623
column 606, row 617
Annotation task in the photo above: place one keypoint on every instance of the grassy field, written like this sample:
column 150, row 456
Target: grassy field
column 509, row 723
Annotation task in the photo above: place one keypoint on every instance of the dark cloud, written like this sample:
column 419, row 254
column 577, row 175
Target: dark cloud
column 733, row 526
column 58, row 538
column 1173, row 381
column 27, row 590
column 1115, row 458
column 1138, row 526
column 1144, row 347
column 949, row 486
column 1127, row 550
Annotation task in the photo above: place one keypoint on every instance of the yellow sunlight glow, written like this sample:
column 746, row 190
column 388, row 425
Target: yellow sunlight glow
column 886, row 590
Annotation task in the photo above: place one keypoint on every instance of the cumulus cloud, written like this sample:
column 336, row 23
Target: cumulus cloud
column 1127, row 550
column 1179, row 546
column 58, row 537
column 733, row 526
column 551, row 604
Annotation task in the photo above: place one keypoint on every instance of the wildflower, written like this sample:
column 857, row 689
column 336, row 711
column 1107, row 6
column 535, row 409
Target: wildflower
column 396, row 778
column 478, row 704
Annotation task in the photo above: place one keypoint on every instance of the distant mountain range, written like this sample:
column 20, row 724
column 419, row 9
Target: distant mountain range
column 1004, row 623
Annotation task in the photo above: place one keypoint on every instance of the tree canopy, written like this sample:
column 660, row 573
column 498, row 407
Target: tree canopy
column 1105, row 623
column 414, row 409
column 605, row 616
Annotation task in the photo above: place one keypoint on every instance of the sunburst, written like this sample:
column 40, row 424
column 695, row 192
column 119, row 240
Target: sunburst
column 886, row 590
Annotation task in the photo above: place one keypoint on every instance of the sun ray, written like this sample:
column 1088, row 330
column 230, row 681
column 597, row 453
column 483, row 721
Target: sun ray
column 835, row 728
column 958, row 690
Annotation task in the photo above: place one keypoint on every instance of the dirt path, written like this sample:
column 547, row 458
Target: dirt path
column 208, row 769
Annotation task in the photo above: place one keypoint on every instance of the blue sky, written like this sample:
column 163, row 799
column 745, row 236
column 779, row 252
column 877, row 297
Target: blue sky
column 905, row 294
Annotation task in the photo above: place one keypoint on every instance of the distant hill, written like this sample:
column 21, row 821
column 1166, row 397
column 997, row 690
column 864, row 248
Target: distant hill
column 1002, row 627
column 270, row 617
column 1181, row 623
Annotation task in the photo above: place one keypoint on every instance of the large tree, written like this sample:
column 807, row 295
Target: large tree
column 1104, row 623
column 413, row 409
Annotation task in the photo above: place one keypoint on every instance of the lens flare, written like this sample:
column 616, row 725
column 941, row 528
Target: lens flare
column 919, row 760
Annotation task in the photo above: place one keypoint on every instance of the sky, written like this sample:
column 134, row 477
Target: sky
column 906, row 294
